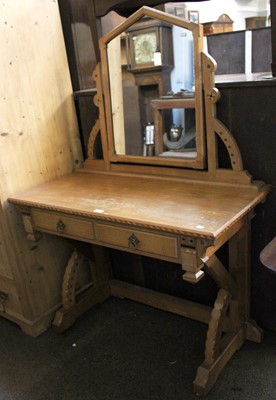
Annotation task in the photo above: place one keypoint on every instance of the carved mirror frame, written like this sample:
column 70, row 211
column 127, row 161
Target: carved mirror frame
column 210, row 131
column 199, row 160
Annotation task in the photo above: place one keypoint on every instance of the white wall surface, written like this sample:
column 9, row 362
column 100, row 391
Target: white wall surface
column 237, row 10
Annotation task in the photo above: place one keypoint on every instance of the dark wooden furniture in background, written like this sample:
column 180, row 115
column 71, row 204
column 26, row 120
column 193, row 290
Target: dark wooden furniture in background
column 82, row 27
column 89, row 12
column 223, row 24
column 255, row 22
column 229, row 49
column 273, row 35
column 87, row 114
column 127, row 7
column 268, row 255
column 78, row 29
column 248, row 109
column 261, row 55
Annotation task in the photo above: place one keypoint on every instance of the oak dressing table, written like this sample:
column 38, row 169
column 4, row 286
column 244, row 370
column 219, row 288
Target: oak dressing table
column 176, row 205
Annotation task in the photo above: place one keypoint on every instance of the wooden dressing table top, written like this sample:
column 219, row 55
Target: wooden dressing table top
column 185, row 207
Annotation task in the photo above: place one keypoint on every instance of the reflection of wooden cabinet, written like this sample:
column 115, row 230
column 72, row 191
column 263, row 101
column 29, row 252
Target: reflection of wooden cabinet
column 158, row 77
column 138, row 96
column 132, row 120
column 151, row 85
column 149, row 45
column 151, row 75
column 160, row 108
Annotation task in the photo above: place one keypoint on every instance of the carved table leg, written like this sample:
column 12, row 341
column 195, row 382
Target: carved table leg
column 239, row 267
column 219, row 347
column 231, row 310
column 72, row 305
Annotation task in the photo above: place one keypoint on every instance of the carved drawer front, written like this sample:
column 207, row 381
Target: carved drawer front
column 162, row 246
column 59, row 224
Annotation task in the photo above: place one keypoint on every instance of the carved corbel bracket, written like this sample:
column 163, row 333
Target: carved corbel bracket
column 99, row 127
column 193, row 253
column 76, row 302
column 216, row 129
column 32, row 234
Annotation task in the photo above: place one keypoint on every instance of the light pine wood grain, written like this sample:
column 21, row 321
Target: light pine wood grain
column 185, row 207
column 38, row 142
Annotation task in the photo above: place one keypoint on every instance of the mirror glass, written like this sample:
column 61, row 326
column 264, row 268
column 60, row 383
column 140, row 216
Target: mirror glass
column 153, row 107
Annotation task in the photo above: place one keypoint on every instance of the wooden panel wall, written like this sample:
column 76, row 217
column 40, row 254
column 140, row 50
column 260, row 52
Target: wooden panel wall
column 254, row 131
column 39, row 141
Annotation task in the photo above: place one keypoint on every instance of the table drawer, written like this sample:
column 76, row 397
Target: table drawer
column 63, row 225
column 165, row 246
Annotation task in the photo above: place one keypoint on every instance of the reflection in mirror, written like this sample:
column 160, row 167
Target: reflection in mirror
column 174, row 124
column 151, row 74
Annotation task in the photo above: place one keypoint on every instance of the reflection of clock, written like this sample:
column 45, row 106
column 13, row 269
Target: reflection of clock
column 149, row 45
column 145, row 47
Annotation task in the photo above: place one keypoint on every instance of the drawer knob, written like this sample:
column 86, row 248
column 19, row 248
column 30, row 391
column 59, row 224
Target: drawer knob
column 133, row 242
column 61, row 226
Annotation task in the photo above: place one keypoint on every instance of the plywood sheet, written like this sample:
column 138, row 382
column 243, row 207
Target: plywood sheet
column 39, row 140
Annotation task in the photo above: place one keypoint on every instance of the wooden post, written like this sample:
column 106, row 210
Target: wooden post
column 273, row 35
